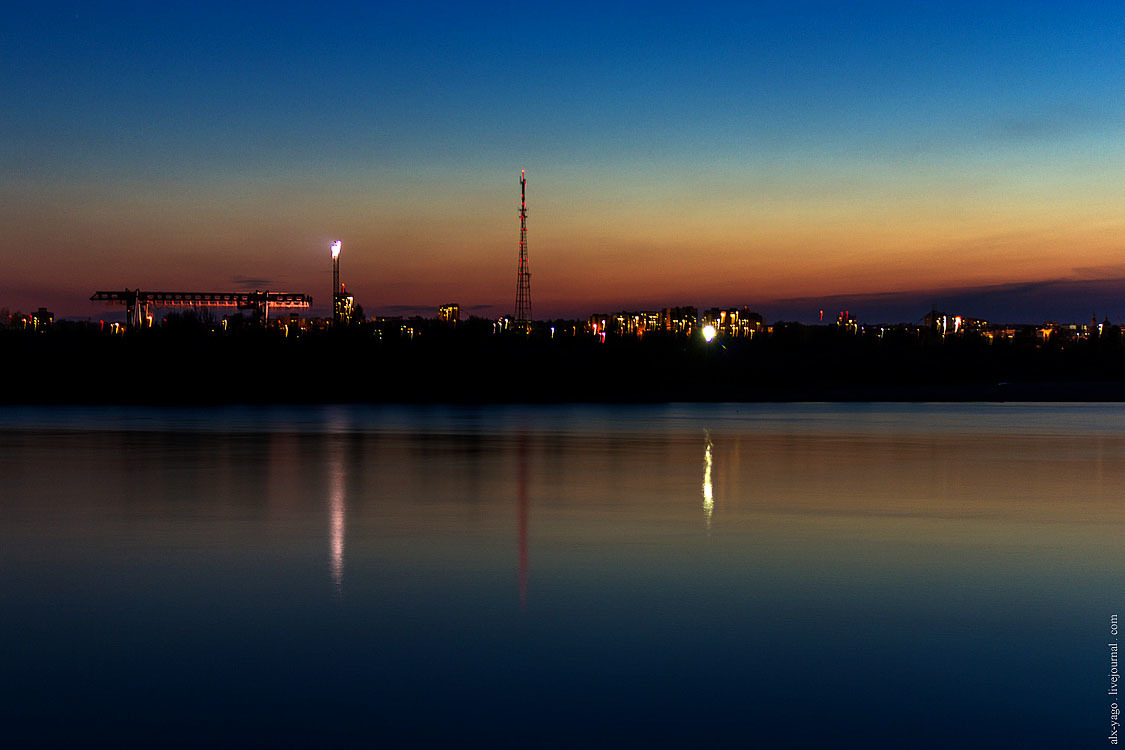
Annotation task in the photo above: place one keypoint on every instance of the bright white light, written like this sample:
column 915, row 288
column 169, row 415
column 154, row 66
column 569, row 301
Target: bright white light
column 336, row 249
column 709, row 332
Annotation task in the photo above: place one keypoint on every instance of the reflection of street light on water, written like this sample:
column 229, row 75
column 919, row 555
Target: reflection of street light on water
column 337, row 511
column 708, row 493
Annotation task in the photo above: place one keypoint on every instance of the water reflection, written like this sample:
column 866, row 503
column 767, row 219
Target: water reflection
column 863, row 540
column 708, row 494
column 521, row 473
column 337, row 519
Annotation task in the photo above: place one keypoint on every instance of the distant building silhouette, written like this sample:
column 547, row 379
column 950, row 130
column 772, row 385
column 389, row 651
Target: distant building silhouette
column 450, row 313
column 679, row 319
column 42, row 318
column 735, row 322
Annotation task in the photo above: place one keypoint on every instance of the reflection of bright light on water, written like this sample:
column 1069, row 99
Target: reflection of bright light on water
column 708, row 496
column 336, row 511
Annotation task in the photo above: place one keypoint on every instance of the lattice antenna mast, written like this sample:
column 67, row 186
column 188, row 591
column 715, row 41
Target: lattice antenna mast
column 523, row 282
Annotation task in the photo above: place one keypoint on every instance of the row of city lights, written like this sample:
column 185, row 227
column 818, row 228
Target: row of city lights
column 709, row 331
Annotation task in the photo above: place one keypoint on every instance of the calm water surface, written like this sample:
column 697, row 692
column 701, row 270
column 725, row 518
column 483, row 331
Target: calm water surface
column 776, row 576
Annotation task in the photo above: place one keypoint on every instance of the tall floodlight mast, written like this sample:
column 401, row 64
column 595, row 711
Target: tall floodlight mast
column 523, row 282
column 336, row 281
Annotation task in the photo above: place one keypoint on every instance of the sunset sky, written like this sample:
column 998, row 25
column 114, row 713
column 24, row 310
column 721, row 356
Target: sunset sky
column 788, row 157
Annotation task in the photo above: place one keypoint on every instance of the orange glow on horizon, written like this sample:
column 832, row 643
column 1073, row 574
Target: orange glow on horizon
column 739, row 243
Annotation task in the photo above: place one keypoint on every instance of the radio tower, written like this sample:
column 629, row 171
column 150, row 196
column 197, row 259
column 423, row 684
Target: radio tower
column 523, row 282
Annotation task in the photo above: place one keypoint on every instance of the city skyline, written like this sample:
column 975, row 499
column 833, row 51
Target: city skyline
column 789, row 158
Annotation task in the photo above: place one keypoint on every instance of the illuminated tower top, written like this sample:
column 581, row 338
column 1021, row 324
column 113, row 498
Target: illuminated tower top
column 336, row 288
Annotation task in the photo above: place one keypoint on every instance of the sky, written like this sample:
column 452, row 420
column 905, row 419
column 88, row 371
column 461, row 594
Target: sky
column 787, row 156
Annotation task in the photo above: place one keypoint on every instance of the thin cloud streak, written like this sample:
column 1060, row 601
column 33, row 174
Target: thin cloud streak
column 251, row 282
column 1063, row 300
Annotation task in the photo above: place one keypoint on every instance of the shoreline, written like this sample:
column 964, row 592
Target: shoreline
column 349, row 367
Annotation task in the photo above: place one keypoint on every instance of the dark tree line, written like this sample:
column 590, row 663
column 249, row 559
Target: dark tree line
column 188, row 360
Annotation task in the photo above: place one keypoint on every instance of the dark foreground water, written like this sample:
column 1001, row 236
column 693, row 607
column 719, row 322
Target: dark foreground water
column 773, row 576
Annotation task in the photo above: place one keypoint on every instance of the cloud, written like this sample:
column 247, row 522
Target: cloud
column 1062, row 300
column 1026, row 128
column 405, row 311
column 1116, row 270
column 251, row 282
column 407, row 308
column 1051, row 122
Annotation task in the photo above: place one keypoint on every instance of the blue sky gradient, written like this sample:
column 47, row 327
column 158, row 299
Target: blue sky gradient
column 676, row 154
